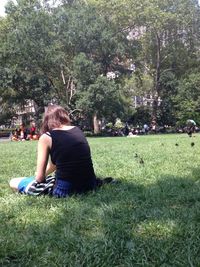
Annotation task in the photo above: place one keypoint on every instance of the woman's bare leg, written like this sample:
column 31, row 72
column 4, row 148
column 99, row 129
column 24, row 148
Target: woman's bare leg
column 14, row 182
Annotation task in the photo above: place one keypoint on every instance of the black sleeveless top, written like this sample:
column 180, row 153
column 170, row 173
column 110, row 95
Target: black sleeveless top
column 70, row 153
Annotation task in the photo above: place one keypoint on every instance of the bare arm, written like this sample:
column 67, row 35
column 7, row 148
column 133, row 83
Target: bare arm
column 50, row 168
column 44, row 145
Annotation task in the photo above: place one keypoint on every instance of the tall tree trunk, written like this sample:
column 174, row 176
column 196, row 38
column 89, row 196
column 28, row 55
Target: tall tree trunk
column 39, row 110
column 96, row 124
column 157, row 79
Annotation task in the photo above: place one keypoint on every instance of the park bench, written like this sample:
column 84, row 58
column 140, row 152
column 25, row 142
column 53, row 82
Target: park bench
column 4, row 134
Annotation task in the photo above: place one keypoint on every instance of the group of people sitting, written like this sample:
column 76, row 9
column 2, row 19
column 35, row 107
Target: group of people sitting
column 22, row 133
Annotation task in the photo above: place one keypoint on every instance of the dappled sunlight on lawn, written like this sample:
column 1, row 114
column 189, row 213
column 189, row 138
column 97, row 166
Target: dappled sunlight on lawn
column 150, row 218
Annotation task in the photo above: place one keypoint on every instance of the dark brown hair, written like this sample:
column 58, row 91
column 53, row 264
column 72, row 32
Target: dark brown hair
column 54, row 117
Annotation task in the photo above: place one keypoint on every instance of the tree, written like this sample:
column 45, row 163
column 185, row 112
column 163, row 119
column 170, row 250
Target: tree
column 25, row 53
column 98, row 49
column 58, row 53
column 165, row 34
column 165, row 26
column 169, row 84
column 44, row 46
column 101, row 99
column 188, row 99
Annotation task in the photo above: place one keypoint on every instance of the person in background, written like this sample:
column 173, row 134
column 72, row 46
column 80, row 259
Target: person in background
column 153, row 126
column 14, row 136
column 191, row 125
column 145, row 128
column 126, row 129
column 23, row 132
column 33, row 135
column 19, row 134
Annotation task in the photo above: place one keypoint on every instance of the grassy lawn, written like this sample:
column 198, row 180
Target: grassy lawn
column 151, row 218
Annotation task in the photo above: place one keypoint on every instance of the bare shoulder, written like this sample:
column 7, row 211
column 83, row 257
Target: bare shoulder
column 45, row 139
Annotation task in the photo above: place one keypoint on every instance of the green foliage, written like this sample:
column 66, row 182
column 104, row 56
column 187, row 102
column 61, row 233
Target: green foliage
column 187, row 99
column 169, row 88
column 25, row 54
column 96, row 36
column 50, row 54
column 139, row 84
column 6, row 113
column 141, row 116
column 85, row 71
column 118, row 124
column 169, row 42
column 101, row 98
column 57, row 53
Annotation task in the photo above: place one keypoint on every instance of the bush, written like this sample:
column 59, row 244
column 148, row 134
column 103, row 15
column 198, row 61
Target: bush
column 91, row 134
column 88, row 133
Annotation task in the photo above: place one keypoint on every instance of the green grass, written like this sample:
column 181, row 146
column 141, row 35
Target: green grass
column 151, row 218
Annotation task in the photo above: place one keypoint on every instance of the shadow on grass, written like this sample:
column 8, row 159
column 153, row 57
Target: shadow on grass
column 119, row 225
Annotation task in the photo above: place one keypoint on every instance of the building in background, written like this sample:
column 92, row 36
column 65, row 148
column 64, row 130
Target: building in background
column 24, row 114
column 147, row 100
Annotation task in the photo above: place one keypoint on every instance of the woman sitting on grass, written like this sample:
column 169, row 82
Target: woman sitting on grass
column 64, row 149
column 32, row 132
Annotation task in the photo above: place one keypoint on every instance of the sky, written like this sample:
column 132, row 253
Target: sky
column 2, row 4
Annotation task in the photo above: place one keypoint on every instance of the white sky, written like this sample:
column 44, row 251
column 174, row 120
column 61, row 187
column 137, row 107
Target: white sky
column 2, row 4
